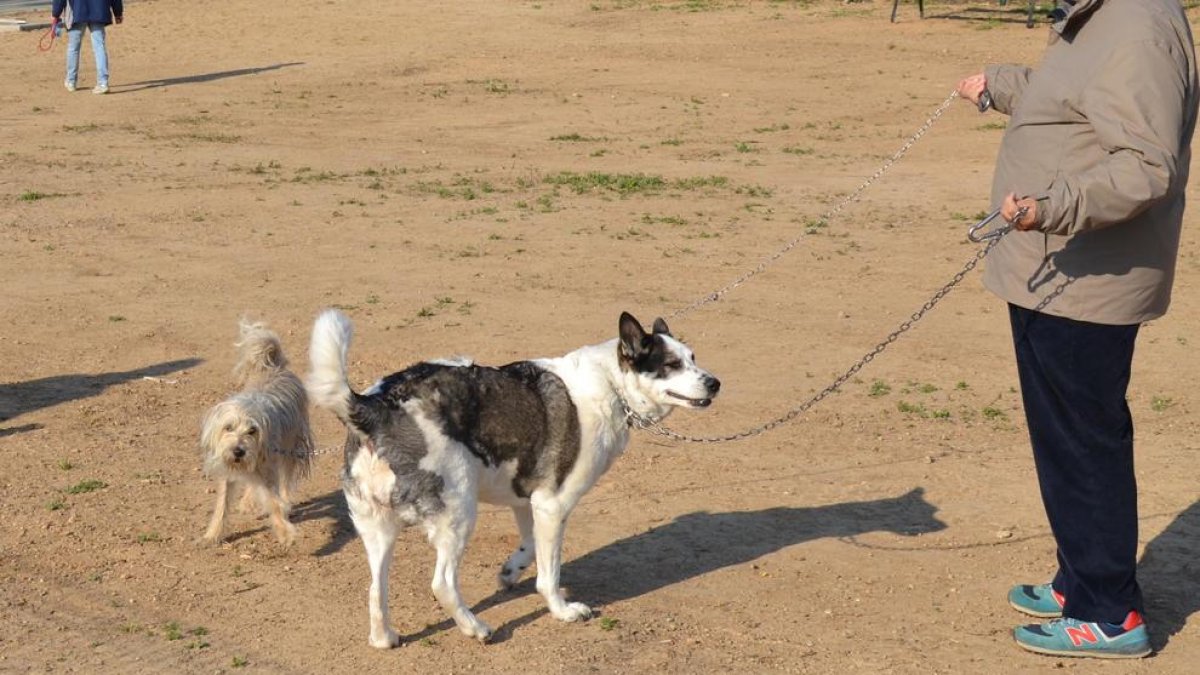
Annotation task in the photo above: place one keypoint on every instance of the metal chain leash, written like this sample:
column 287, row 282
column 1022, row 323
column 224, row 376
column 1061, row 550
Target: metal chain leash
column 828, row 215
column 657, row 428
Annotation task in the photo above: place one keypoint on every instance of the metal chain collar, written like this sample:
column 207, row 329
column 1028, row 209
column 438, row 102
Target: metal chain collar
column 657, row 428
column 853, row 196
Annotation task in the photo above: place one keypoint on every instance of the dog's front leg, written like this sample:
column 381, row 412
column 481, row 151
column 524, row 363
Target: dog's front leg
column 217, row 523
column 549, row 521
column 285, row 532
column 515, row 566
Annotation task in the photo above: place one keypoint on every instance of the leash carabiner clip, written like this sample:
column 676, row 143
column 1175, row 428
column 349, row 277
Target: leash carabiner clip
column 973, row 234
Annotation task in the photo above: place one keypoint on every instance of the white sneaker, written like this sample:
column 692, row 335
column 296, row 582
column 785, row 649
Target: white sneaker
column 100, row 89
column 69, row 85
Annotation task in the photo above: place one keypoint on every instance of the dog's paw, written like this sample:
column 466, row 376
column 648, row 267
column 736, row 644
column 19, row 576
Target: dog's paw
column 509, row 576
column 286, row 534
column 388, row 640
column 573, row 611
column 208, row 540
column 477, row 629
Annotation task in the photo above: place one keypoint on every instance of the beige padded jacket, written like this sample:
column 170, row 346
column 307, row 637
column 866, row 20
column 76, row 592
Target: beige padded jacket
column 1100, row 132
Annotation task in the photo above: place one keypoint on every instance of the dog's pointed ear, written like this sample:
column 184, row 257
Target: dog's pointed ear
column 660, row 327
column 633, row 336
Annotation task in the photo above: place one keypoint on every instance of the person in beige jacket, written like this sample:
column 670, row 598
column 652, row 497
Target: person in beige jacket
column 1091, row 175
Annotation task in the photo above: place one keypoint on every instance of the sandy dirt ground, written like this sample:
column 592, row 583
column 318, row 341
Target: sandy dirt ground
column 502, row 179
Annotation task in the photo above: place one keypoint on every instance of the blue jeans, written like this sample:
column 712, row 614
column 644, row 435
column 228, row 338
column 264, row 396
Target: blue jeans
column 1074, row 376
column 74, row 40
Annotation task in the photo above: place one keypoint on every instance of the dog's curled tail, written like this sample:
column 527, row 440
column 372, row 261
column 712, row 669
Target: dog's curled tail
column 327, row 384
column 260, row 354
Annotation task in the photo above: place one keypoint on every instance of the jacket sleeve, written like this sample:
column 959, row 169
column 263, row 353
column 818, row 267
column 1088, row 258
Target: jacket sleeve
column 118, row 7
column 1137, row 106
column 1006, row 83
column 57, row 8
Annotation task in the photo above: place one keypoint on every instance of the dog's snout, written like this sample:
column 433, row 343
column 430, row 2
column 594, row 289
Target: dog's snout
column 239, row 453
column 713, row 384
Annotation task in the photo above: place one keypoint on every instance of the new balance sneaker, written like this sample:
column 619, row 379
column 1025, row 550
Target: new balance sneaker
column 69, row 85
column 1041, row 601
column 1096, row 639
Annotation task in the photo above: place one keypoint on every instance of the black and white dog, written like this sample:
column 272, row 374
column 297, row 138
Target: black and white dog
column 426, row 444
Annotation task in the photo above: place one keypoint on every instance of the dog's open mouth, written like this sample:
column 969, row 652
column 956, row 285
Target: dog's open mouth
column 694, row 402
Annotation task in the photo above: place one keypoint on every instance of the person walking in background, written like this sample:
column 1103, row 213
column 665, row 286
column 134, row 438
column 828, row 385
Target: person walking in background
column 1091, row 175
column 93, row 15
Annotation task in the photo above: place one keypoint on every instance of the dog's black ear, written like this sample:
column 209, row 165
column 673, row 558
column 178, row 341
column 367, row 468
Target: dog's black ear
column 660, row 327
column 633, row 336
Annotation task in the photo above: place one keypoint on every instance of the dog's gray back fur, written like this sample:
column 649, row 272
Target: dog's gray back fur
column 519, row 412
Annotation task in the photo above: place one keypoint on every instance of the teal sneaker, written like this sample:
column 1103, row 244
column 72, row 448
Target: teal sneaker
column 1096, row 639
column 1041, row 601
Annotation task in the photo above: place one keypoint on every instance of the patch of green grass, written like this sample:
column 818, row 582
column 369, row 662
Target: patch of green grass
column 608, row 623
column 665, row 220
column 85, row 486
column 56, row 504
column 629, row 183
column 1161, row 403
column 172, row 631
column 992, row 126
column 993, row 413
column 745, row 146
column 672, row 141
column 576, row 138
column 961, row 386
column 65, row 464
column 774, row 127
column 879, row 388
column 80, row 128
column 926, row 388
column 35, row 196
column 148, row 537
column 798, row 150
column 240, row 662
column 912, row 408
column 116, row 318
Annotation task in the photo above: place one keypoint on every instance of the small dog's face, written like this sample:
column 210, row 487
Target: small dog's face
column 665, row 368
column 231, row 438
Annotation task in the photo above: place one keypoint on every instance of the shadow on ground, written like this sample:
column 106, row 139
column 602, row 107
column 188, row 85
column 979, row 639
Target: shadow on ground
column 19, row 398
column 1170, row 576
column 698, row 543
column 194, row 79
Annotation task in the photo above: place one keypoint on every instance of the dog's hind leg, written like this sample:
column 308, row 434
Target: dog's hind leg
column 515, row 566
column 378, row 533
column 217, row 524
column 549, row 521
column 449, row 535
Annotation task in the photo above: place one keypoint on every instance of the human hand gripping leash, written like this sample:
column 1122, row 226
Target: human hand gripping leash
column 45, row 45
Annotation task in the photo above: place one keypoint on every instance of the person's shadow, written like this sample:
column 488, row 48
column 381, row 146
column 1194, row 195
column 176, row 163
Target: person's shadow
column 1170, row 576
column 19, row 398
column 193, row 79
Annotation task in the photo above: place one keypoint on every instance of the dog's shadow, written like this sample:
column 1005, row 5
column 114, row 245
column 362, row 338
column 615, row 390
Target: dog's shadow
column 330, row 506
column 1170, row 576
column 690, row 546
column 698, row 543
column 19, row 398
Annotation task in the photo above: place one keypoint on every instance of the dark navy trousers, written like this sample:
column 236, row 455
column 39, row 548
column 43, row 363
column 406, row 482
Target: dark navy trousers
column 1074, row 376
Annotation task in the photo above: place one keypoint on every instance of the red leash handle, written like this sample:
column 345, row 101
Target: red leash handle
column 45, row 45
